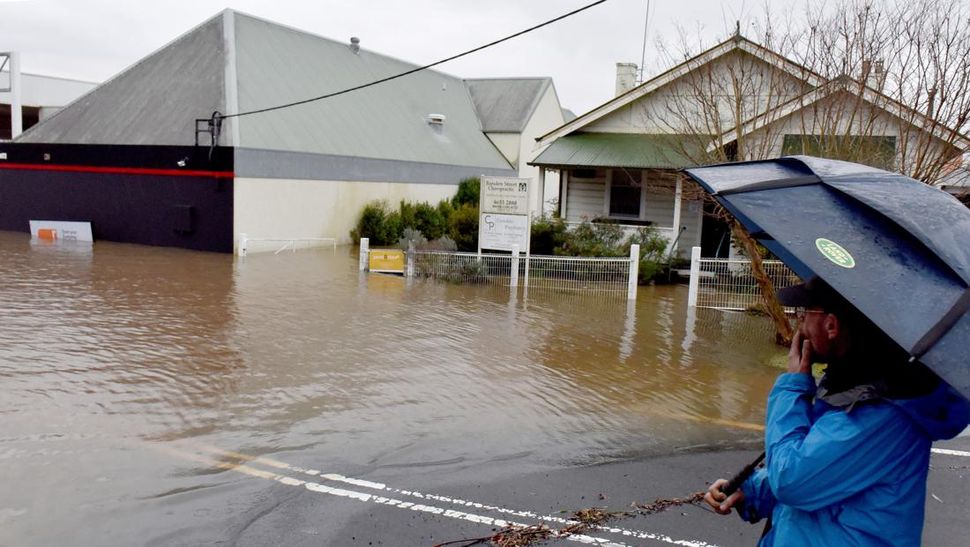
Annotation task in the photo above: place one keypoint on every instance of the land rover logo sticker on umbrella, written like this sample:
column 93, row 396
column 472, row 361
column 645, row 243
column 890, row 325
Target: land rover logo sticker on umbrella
column 834, row 252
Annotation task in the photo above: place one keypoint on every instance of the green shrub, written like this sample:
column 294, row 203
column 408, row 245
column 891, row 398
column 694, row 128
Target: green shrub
column 548, row 233
column 463, row 227
column 468, row 192
column 408, row 212
column 376, row 223
column 589, row 239
column 653, row 254
column 445, row 209
column 393, row 229
column 429, row 221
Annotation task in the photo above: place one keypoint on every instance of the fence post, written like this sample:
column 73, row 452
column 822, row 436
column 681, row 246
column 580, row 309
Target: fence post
column 409, row 268
column 364, row 253
column 631, row 292
column 695, row 277
column 514, row 268
column 243, row 242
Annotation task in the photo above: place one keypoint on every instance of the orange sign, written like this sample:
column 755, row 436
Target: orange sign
column 47, row 234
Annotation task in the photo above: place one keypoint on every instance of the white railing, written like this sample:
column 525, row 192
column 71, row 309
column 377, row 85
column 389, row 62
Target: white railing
column 287, row 243
column 729, row 284
column 612, row 275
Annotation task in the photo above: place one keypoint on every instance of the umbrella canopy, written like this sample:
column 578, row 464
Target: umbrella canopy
column 895, row 248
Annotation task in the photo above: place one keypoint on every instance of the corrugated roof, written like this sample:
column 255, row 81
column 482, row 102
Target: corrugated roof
column 276, row 64
column 506, row 104
column 621, row 150
column 157, row 100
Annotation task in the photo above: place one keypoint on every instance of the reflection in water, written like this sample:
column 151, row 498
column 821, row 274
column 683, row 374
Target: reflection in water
column 104, row 353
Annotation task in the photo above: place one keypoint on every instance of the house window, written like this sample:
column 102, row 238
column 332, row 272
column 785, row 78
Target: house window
column 626, row 193
column 875, row 151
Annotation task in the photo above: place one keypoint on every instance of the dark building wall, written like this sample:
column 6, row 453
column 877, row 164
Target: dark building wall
column 133, row 194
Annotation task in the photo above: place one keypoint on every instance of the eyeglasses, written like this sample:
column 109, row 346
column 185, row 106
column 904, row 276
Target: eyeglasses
column 801, row 312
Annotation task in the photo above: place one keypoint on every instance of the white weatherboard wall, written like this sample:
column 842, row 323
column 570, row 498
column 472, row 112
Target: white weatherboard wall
column 291, row 209
column 674, row 108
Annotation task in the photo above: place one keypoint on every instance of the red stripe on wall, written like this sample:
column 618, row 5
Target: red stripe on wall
column 119, row 170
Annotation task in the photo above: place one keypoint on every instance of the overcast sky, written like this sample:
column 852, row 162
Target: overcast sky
column 95, row 39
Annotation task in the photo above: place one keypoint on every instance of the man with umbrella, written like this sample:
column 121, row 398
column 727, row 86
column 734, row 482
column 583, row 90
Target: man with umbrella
column 849, row 468
column 846, row 461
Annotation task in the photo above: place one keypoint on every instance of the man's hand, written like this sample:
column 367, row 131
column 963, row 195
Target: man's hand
column 800, row 355
column 721, row 502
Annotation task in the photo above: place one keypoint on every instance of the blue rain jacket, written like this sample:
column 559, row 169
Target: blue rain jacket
column 856, row 477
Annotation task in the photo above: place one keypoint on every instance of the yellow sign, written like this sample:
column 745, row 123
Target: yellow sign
column 386, row 260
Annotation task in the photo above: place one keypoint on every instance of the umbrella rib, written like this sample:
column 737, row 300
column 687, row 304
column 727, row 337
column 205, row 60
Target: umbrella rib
column 774, row 184
column 943, row 326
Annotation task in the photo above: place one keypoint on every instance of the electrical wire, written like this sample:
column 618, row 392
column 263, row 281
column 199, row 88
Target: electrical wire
column 412, row 71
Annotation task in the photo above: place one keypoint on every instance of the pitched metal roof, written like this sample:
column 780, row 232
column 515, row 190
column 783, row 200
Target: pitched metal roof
column 155, row 101
column 237, row 63
column 621, row 150
column 506, row 104
column 277, row 64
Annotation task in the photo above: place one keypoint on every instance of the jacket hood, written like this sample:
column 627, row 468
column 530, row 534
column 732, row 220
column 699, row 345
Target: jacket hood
column 943, row 414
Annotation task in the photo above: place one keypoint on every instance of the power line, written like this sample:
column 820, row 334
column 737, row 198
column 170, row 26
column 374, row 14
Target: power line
column 402, row 74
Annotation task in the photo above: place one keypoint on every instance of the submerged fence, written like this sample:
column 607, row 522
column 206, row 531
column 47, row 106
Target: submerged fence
column 613, row 275
column 729, row 284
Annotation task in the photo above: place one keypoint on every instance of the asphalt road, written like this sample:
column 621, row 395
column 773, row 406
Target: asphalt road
column 423, row 506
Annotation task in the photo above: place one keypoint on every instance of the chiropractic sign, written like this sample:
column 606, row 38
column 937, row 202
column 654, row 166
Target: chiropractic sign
column 503, row 214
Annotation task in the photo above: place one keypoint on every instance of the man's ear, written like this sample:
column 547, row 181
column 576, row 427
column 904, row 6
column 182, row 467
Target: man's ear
column 832, row 326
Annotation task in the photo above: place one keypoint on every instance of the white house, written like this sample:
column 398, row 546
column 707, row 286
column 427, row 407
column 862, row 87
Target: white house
column 738, row 100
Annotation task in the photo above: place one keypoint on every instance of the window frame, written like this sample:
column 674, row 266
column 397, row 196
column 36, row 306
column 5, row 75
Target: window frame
column 607, row 203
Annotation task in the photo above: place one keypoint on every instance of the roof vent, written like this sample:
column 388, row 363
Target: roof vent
column 355, row 44
column 436, row 119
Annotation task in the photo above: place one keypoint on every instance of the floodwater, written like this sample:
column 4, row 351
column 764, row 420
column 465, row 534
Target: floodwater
column 127, row 373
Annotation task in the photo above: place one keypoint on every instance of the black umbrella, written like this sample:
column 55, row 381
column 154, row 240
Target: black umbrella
column 895, row 248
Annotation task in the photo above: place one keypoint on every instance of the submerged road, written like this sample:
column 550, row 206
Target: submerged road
column 304, row 506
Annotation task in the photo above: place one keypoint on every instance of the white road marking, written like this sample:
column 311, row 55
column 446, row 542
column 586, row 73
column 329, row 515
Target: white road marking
column 276, row 464
column 949, row 452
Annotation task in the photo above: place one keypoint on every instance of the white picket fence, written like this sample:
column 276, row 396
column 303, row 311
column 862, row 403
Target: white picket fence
column 729, row 284
column 609, row 275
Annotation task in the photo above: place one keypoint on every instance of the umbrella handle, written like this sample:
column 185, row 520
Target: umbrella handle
column 735, row 483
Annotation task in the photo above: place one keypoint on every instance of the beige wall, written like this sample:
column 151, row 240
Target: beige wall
column 547, row 116
column 508, row 144
column 279, row 208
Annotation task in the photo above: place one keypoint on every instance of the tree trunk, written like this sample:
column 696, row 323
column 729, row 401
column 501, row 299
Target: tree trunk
column 783, row 328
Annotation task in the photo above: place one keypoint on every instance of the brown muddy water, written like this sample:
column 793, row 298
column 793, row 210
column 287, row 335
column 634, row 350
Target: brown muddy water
column 126, row 371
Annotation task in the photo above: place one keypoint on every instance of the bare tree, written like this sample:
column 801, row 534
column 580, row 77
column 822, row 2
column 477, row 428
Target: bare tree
column 880, row 83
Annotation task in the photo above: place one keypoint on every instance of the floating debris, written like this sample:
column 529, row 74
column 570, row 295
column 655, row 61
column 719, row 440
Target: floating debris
column 661, row 504
column 584, row 521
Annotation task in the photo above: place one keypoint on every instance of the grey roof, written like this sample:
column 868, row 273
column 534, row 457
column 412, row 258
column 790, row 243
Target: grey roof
column 154, row 101
column 157, row 100
column 505, row 105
